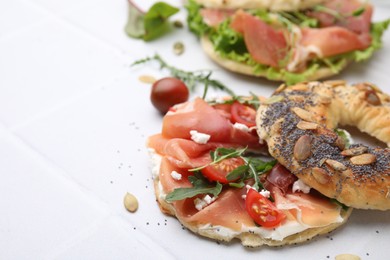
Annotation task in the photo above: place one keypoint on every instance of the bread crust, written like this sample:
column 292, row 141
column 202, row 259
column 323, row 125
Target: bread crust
column 274, row 5
column 245, row 69
column 358, row 177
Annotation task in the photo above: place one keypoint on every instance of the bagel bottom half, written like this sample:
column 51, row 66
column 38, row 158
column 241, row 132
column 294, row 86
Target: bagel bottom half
column 248, row 239
column 299, row 130
column 242, row 68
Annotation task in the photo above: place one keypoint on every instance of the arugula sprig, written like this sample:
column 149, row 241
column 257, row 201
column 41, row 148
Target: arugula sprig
column 188, row 77
column 200, row 186
column 252, row 168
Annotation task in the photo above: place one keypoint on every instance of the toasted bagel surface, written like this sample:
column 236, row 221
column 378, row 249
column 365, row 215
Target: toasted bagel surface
column 299, row 129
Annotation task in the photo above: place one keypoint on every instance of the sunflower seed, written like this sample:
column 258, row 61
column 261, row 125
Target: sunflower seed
column 178, row 48
column 303, row 114
column 130, row 202
column 320, row 175
column 338, row 166
column 335, row 83
column 300, row 87
column 363, row 159
column 372, row 98
column 302, row 148
column 147, row 79
column 354, row 151
column 304, row 125
column 273, row 99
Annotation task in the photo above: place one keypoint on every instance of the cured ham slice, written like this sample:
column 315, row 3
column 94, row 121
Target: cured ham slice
column 265, row 44
column 227, row 211
column 167, row 182
column 344, row 15
column 213, row 17
column 333, row 40
column 200, row 116
column 308, row 209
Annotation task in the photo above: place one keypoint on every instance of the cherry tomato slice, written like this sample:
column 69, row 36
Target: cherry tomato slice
column 219, row 171
column 262, row 210
column 243, row 114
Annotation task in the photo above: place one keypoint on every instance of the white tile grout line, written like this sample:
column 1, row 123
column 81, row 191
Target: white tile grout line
column 49, row 166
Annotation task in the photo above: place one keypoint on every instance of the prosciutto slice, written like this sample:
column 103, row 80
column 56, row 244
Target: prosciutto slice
column 344, row 15
column 265, row 44
column 334, row 40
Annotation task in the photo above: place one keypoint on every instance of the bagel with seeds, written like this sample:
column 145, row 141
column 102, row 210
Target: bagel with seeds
column 259, row 206
column 299, row 130
column 286, row 40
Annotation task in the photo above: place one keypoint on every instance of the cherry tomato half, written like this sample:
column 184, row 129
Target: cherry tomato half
column 262, row 210
column 243, row 114
column 167, row 92
column 219, row 171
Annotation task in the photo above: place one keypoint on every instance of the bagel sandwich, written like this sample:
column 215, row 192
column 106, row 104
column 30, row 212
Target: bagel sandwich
column 210, row 172
column 286, row 40
column 299, row 128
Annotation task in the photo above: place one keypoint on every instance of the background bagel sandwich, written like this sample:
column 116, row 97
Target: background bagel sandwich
column 299, row 128
column 200, row 145
column 285, row 40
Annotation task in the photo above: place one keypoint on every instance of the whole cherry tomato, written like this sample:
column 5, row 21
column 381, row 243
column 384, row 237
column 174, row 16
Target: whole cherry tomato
column 167, row 92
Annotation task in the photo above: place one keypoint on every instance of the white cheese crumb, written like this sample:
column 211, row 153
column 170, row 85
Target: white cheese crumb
column 199, row 138
column 175, row 175
column 300, row 186
column 241, row 127
column 202, row 203
column 265, row 193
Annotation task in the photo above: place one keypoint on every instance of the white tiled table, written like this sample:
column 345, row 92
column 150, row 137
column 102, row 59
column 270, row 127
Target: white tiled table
column 73, row 123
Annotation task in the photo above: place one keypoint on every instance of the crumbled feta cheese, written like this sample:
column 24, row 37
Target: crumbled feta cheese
column 265, row 193
column 300, row 186
column 241, row 127
column 248, row 187
column 199, row 138
column 202, row 203
column 175, row 175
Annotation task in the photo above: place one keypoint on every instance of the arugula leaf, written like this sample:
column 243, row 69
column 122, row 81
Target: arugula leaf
column 238, row 173
column 149, row 25
column 200, row 186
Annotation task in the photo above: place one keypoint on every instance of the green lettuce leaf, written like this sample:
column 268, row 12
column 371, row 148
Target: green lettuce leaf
column 230, row 45
column 195, row 19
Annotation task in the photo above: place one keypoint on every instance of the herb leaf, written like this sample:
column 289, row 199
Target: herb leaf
column 238, row 173
column 200, row 186
column 149, row 25
column 190, row 78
